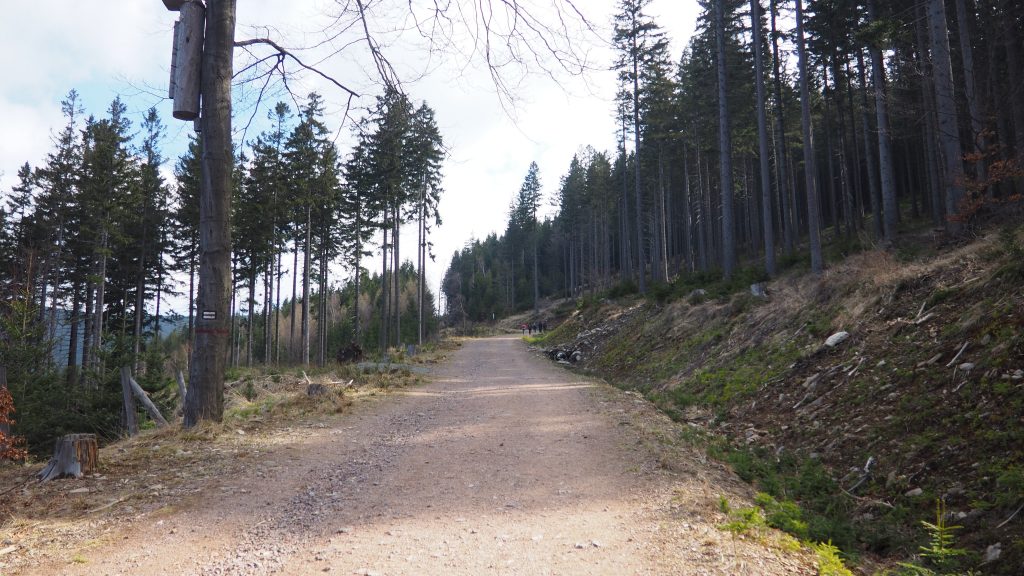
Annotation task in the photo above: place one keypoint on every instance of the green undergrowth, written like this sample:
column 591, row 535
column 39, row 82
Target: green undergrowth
column 797, row 495
column 787, row 517
column 711, row 282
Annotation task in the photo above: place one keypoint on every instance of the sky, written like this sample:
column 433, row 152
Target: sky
column 122, row 47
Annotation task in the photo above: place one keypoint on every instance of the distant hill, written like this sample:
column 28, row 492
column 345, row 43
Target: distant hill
column 168, row 325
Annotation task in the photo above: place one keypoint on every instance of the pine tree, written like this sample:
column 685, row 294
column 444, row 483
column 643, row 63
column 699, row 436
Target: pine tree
column 640, row 44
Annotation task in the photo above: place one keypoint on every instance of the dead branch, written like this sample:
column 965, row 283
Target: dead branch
column 286, row 53
column 1007, row 521
column 958, row 354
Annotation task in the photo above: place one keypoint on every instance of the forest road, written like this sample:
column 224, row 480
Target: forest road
column 503, row 464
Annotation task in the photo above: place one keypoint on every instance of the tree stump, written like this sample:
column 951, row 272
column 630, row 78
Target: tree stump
column 74, row 456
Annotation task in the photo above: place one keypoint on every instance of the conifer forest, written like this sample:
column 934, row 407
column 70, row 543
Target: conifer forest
column 788, row 134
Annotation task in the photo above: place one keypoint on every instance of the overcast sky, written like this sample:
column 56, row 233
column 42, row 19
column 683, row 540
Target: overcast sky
column 122, row 47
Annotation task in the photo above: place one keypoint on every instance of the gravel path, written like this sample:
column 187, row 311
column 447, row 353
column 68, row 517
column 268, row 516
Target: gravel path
column 503, row 464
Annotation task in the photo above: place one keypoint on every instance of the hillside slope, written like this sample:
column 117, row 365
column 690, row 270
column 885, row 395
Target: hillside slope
column 922, row 402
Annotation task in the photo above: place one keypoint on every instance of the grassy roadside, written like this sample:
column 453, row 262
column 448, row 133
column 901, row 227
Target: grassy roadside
column 927, row 388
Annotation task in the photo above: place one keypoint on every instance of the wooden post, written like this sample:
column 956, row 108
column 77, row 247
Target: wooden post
column 181, row 388
column 187, row 60
column 154, row 412
column 5, row 428
column 129, row 402
column 75, row 455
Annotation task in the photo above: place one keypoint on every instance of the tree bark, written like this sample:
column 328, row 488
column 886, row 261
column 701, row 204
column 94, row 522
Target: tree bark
column 205, row 400
column 869, row 153
column 725, row 147
column 762, row 141
column 949, row 132
column 813, row 223
column 786, row 192
column 885, row 158
column 305, row 286
column 970, row 90
column 641, row 262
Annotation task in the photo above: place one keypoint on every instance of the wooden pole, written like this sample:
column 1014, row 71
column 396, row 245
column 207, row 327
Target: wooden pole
column 181, row 388
column 129, row 402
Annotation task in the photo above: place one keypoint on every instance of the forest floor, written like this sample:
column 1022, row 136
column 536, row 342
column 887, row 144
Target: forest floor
column 498, row 463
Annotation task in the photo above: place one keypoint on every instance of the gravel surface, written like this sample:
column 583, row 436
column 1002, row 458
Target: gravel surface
column 503, row 464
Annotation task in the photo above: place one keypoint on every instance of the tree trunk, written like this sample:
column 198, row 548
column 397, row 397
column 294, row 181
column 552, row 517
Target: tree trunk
column 786, row 192
column 662, row 222
column 687, row 215
column 949, row 131
column 641, row 261
column 725, row 147
column 830, row 174
column 869, row 153
column 967, row 59
column 813, row 224
column 385, row 299
column 358, row 260
column 87, row 332
column 1011, row 44
column 71, row 375
column 702, row 218
column 397, row 273
column 536, row 279
column 304, row 345
column 205, row 400
column 887, row 177
column 268, row 311
column 931, row 137
column 762, row 141
column 295, row 302
column 251, row 318
column 101, row 276
column 277, row 309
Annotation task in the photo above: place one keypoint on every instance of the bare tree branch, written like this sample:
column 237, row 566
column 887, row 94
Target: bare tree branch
column 285, row 52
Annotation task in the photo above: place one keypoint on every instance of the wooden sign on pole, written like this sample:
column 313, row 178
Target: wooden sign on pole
column 187, row 60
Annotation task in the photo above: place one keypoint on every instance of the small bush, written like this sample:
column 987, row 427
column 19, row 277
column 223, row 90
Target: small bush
column 829, row 561
column 624, row 288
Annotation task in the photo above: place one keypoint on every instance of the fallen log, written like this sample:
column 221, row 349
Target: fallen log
column 74, row 455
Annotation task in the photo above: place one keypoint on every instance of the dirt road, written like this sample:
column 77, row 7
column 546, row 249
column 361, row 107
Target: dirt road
column 503, row 464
